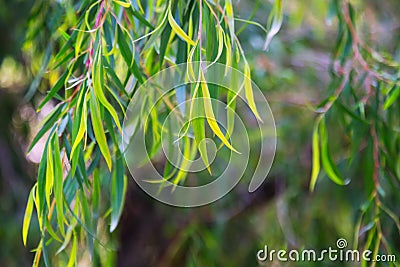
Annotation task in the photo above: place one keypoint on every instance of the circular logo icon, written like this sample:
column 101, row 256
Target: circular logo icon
column 341, row 243
column 192, row 131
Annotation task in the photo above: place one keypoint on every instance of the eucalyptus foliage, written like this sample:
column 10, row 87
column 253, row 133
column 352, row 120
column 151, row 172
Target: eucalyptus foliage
column 364, row 105
column 100, row 52
column 97, row 53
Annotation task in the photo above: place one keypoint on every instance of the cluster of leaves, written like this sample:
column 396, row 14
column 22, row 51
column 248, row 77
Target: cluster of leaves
column 97, row 54
column 364, row 103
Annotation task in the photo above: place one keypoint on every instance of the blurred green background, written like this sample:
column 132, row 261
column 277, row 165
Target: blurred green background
column 293, row 74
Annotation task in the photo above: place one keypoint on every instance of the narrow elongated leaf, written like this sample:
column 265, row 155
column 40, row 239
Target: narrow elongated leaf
column 118, row 189
column 393, row 96
column 58, row 185
column 98, row 89
column 185, row 162
column 28, row 214
column 277, row 17
column 98, row 129
column 121, row 3
column 57, row 86
column 315, row 155
column 231, row 21
column 329, row 167
column 249, row 91
column 82, row 126
column 79, row 39
column 200, row 133
column 49, row 172
column 72, row 256
column 212, row 122
column 178, row 30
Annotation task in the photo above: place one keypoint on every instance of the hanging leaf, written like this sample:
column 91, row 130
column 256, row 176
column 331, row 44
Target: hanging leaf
column 329, row 167
column 249, row 91
column 276, row 17
column 28, row 214
column 178, row 30
column 315, row 155
column 118, row 190
column 98, row 129
column 212, row 122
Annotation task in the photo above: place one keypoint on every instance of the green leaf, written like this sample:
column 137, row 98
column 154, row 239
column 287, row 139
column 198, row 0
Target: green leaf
column 28, row 214
column 49, row 173
column 57, row 86
column 121, row 3
column 58, row 185
column 72, row 256
column 118, row 190
column 79, row 39
column 186, row 161
column 393, row 96
column 229, row 15
column 98, row 129
column 98, row 89
column 249, row 92
column 200, row 133
column 178, row 30
column 212, row 122
column 82, row 126
column 315, row 155
column 329, row 167
column 140, row 17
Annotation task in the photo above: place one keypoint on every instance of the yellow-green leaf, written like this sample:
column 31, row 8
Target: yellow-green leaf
column 58, row 185
column 221, row 40
column 199, row 133
column 229, row 15
column 315, row 155
column 178, row 30
column 82, row 128
column 212, row 122
column 329, row 167
column 98, row 89
column 121, row 3
column 188, row 155
column 72, row 256
column 79, row 39
column 49, row 173
column 28, row 214
column 249, row 91
column 98, row 129
column 228, row 56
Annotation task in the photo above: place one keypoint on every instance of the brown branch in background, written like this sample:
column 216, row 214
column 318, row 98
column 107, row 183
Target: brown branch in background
column 357, row 42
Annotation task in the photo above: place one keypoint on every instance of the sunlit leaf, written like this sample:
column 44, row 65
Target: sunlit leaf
column 98, row 129
column 315, row 155
column 212, row 122
column 249, row 92
column 178, row 30
column 28, row 214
